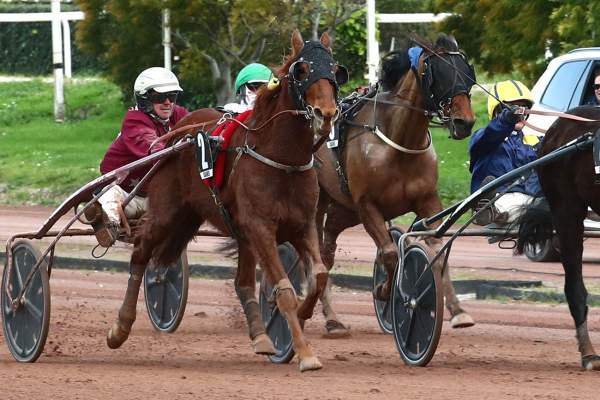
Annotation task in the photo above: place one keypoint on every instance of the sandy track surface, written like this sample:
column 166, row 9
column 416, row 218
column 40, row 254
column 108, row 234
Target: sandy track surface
column 516, row 351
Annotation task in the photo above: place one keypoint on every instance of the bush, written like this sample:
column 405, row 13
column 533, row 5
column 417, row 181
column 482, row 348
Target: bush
column 26, row 47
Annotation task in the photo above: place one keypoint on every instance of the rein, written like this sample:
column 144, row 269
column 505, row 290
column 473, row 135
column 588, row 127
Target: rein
column 525, row 111
column 226, row 117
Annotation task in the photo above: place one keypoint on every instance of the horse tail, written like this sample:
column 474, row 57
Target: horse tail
column 229, row 248
column 535, row 224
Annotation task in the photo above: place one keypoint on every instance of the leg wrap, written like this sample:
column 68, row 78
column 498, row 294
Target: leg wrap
column 255, row 324
column 583, row 340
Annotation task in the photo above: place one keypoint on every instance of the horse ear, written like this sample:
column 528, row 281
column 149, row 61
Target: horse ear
column 326, row 40
column 297, row 42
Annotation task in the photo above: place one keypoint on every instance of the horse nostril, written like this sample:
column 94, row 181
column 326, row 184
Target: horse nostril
column 463, row 124
column 318, row 112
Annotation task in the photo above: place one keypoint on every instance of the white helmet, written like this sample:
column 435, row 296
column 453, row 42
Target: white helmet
column 159, row 79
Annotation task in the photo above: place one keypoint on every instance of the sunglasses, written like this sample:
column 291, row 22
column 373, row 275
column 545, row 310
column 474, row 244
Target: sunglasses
column 254, row 86
column 158, row 98
column 596, row 86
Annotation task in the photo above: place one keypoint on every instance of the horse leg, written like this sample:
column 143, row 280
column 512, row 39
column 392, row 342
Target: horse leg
column 264, row 244
column 339, row 218
column 245, row 285
column 569, row 225
column 375, row 225
column 308, row 250
column 459, row 317
column 119, row 332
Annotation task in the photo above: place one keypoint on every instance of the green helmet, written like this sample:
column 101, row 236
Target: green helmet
column 254, row 72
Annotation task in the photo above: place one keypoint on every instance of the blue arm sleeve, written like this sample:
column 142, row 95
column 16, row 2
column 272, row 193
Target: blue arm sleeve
column 486, row 140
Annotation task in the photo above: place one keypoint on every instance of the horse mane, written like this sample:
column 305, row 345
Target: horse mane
column 395, row 64
column 446, row 42
column 264, row 106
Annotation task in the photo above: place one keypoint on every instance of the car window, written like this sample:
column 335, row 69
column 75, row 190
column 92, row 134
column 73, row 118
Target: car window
column 585, row 86
column 562, row 86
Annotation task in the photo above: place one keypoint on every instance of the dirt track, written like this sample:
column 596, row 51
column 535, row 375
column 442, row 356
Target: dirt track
column 515, row 351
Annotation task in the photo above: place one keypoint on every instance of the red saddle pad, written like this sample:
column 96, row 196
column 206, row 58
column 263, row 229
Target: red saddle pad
column 224, row 130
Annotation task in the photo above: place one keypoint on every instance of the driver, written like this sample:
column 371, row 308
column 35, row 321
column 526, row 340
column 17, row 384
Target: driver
column 155, row 91
column 501, row 147
column 247, row 83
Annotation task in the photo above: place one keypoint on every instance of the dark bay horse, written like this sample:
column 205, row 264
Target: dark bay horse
column 569, row 186
column 268, row 205
column 392, row 175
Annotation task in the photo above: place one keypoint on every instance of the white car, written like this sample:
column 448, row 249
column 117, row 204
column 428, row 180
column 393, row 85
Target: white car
column 566, row 83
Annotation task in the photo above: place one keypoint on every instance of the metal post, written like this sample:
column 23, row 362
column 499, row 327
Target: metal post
column 372, row 45
column 167, row 37
column 57, row 63
column 67, row 47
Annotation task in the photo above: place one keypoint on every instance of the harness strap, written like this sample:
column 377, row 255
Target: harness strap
column 396, row 146
column 388, row 141
column 287, row 168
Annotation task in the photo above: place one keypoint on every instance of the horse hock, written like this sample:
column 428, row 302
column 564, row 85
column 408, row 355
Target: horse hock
column 287, row 304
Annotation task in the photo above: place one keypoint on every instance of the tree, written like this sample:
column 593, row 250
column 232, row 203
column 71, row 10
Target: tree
column 213, row 39
column 508, row 35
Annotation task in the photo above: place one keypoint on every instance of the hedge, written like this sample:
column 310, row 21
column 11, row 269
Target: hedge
column 26, row 47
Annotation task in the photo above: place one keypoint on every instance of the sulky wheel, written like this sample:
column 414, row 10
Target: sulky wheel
column 383, row 309
column 417, row 306
column 166, row 291
column 26, row 324
column 545, row 251
column 275, row 323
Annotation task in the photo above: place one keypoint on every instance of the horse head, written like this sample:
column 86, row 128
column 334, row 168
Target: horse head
column 446, row 81
column 313, row 79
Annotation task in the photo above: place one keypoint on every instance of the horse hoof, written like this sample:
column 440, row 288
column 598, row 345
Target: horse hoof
column 591, row 362
column 310, row 364
column 462, row 320
column 262, row 344
column 336, row 330
column 116, row 336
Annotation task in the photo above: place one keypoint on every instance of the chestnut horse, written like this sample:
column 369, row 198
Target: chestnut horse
column 392, row 175
column 570, row 187
column 270, row 193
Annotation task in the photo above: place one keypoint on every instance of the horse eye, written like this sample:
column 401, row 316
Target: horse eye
column 299, row 70
column 341, row 75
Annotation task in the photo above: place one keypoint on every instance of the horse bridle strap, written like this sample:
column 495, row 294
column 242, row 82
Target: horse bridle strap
column 287, row 168
column 405, row 104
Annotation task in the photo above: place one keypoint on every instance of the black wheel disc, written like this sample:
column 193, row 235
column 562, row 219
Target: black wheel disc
column 26, row 327
column 542, row 252
column 383, row 309
column 275, row 323
column 417, row 306
column 166, row 291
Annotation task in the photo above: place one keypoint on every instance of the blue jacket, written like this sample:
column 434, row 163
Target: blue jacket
column 498, row 149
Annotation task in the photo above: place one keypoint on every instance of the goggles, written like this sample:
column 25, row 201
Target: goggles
column 159, row 98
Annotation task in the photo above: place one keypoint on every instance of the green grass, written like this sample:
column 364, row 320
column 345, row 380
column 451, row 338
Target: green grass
column 42, row 162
